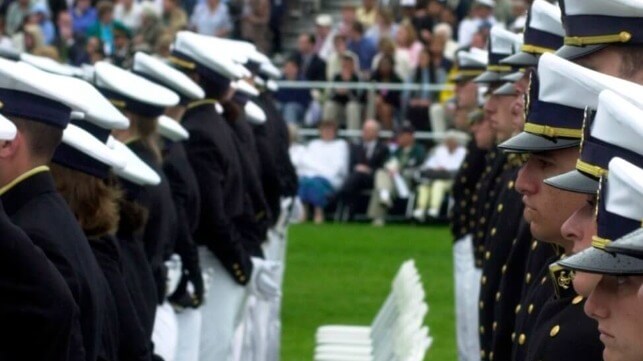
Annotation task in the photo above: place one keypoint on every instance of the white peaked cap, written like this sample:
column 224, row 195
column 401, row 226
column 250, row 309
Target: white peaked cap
column 243, row 86
column 77, row 94
column 546, row 17
column 489, row 3
column 121, row 81
column 255, row 114
column 272, row 85
column 259, row 81
column 7, row 129
column 473, row 58
column 135, row 171
column 618, row 122
column 49, row 65
column 504, row 41
column 621, row 8
column 203, row 50
column 625, row 189
column 163, row 73
column 171, row 129
column 86, row 143
column 566, row 83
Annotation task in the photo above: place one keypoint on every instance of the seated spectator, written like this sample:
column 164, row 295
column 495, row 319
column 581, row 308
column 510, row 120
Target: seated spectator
column 17, row 11
column 366, row 156
column 28, row 39
column 421, row 99
column 293, row 102
column 334, row 63
column 407, row 44
column 367, row 13
column 163, row 45
column 83, row 16
column 364, row 48
column 324, row 36
column 445, row 32
column 311, row 66
column 385, row 27
column 103, row 28
column 399, row 168
column 296, row 150
column 5, row 41
column 40, row 16
column 94, row 51
column 349, row 17
column 441, row 64
column 422, row 22
column 437, row 174
column 254, row 24
column 345, row 104
column 481, row 12
column 403, row 67
column 69, row 45
column 322, row 169
column 174, row 17
column 211, row 17
column 123, row 54
column 150, row 30
column 387, row 102
column 128, row 12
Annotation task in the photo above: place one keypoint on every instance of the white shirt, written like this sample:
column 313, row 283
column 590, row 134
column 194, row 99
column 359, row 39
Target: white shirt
column 130, row 18
column 468, row 27
column 443, row 159
column 327, row 159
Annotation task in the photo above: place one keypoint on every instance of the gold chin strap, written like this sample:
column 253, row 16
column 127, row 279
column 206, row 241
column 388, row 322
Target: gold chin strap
column 197, row 103
column 600, row 243
column 528, row 48
column 182, row 63
column 622, row 37
column 498, row 68
column 553, row 132
column 118, row 103
column 591, row 169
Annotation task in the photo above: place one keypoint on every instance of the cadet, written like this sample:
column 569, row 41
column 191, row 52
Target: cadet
column 36, row 328
column 614, row 299
column 29, row 196
column 214, row 157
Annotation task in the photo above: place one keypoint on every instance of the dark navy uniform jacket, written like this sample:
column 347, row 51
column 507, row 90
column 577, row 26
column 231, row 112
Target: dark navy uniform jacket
column 463, row 187
column 36, row 207
column 37, row 311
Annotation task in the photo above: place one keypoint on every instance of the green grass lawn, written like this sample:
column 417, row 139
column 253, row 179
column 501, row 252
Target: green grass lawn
column 341, row 274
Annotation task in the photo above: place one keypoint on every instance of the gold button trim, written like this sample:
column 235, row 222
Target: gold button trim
column 498, row 294
column 534, row 244
column 543, row 280
column 528, row 277
column 487, row 255
column 578, row 299
column 493, row 231
column 554, row 331
column 491, row 356
column 481, row 329
column 522, row 339
column 500, row 207
column 518, row 308
column 484, row 280
column 530, row 309
column 481, row 304
column 513, row 337
column 495, row 325
column 504, row 269
column 510, row 185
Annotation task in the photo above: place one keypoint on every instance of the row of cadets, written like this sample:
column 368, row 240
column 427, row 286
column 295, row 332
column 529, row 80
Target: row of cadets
column 189, row 294
column 40, row 105
column 215, row 155
column 35, row 327
column 540, row 332
column 496, row 230
column 516, row 257
column 471, row 63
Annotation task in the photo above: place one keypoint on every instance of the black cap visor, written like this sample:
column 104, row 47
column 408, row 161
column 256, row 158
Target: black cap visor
column 532, row 143
column 574, row 181
column 521, row 59
column 594, row 260
column 631, row 244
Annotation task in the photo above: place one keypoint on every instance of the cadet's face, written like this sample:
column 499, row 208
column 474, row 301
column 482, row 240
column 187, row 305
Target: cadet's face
column 483, row 134
column 615, row 304
column 498, row 109
column 467, row 94
column 547, row 208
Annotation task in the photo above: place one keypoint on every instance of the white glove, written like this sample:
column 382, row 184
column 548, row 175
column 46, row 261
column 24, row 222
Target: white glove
column 262, row 281
column 174, row 272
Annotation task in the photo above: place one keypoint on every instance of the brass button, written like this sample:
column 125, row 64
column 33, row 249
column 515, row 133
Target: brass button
column 463, row 203
column 500, row 207
column 554, row 331
column 483, row 280
column 495, row 325
column 521, row 339
column 487, row 255
column 482, row 353
column 534, row 244
column 463, row 218
column 481, row 330
column 504, row 269
column 510, row 185
column 463, row 179
column 513, row 243
column 528, row 277
column 481, row 304
column 493, row 231
column 491, row 356
column 483, row 220
column 486, row 205
column 518, row 308
column 577, row 300
column 542, row 281
column 498, row 296
column 235, row 266
column 242, row 279
column 475, row 197
column 530, row 309
column 488, row 169
column 513, row 337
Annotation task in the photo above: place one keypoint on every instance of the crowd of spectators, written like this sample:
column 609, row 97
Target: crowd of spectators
column 410, row 42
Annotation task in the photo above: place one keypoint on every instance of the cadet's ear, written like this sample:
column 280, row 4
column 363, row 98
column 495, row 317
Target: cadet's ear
column 9, row 148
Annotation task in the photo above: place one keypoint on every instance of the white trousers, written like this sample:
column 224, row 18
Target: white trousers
column 222, row 310
column 165, row 334
column 467, row 289
column 189, row 322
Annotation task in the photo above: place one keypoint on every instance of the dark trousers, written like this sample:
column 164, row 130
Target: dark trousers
column 353, row 186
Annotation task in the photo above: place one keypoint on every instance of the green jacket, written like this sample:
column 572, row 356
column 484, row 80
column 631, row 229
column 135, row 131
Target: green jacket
column 411, row 157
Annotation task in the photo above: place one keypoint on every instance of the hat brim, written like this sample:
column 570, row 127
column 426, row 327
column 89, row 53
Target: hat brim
column 506, row 89
column 574, row 181
column 513, row 77
column 569, row 52
column 520, row 59
column 594, row 260
column 631, row 244
column 489, row 77
column 532, row 143
column 461, row 78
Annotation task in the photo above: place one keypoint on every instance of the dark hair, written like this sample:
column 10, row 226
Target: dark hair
column 103, row 7
column 43, row 139
column 358, row 27
column 631, row 59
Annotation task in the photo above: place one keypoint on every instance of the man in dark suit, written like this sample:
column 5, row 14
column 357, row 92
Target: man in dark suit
column 311, row 66
column 366, row 157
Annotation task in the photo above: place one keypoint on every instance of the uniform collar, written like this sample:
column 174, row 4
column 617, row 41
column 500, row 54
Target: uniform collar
column 22, row 177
